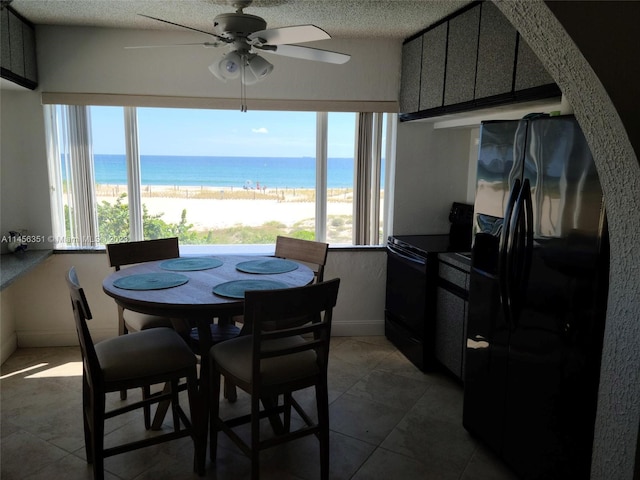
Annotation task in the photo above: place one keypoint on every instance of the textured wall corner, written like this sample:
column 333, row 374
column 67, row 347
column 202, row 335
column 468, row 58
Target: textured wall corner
column 616, row 436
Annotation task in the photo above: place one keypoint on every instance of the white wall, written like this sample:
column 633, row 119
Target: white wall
column 474, row 149
column 94, row 60
column 39, row 303
column 8, row 338
column 432, row 171
column 24, row 201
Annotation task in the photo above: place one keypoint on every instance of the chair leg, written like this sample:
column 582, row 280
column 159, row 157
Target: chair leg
column 255, row 436
column 146, row 393
column 322, row 402
column 287, row 412
column 97, row 433
column 175, row 405
column 161, row 409
column 87, row 415
column 230, row 391
column 122, row 330
column 214, row 412
column 271, row 402
column 199, row 440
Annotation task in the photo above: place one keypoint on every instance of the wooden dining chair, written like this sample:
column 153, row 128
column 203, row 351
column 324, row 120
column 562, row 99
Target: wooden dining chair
column 128, row 253
column 137, row 360
column 310, row 252
column 267, row 364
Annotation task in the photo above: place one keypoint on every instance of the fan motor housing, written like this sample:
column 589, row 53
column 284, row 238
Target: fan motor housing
column 238, row 24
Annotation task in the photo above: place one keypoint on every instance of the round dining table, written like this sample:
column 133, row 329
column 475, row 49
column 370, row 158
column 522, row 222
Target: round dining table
column 184, row 289
column 195, row 299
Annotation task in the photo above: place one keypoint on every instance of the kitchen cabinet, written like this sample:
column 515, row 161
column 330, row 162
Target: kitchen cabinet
column 434, row 56
column 472, row 59
column 18, row 49
column 462, row 51
column 496, row 53
column 410, row 80
column 529, row 71
column 451, row 312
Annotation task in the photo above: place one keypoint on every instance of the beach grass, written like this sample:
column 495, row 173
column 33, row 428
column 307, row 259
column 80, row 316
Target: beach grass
column 286, row 194
column 339, row 230
column 226, row 215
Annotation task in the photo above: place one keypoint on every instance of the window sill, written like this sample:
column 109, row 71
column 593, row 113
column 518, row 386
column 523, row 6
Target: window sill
column 227, row 249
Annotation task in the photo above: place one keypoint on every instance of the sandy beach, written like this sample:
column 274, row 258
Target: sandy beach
column 217, row 207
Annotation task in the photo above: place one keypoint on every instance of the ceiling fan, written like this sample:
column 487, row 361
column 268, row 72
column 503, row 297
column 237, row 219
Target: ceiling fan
column 246, row 34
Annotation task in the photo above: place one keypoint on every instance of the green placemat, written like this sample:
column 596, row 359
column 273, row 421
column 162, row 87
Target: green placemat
column 269, row 265
column 236, row 288
column 190, row 264
column 150, row 281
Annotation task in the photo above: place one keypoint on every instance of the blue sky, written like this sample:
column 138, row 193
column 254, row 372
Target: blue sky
column 222, row 132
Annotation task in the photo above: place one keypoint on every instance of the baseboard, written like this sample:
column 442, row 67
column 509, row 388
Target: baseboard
column 8, row 346
column 357, row 328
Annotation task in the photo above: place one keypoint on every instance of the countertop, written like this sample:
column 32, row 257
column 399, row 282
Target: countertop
column 14, row 265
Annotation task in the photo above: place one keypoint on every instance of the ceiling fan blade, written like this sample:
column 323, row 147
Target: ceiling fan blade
column 293, row 34
column 307, row 53
column 226, row 40
column 202, row 44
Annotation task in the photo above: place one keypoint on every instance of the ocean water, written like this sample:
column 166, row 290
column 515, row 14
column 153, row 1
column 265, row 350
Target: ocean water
column 270, row 172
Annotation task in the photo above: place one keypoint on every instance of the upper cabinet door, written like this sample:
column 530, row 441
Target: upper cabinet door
column 462, row 54
column 472, row 59
column 529, row 71
column 410, row 80
column 496, row 53
column 18, row 46
column 434, row 57
column 29, row 45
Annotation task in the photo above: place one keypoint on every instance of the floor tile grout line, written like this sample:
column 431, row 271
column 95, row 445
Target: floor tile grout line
column 385, row 364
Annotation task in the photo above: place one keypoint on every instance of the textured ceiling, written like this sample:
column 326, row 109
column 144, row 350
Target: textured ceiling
column 340, row 18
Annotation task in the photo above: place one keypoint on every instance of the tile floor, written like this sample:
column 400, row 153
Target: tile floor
column 388, row 421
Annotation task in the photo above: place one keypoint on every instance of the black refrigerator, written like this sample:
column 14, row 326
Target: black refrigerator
column 537, row 297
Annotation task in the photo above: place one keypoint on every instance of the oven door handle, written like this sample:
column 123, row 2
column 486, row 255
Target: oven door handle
column 405, row 256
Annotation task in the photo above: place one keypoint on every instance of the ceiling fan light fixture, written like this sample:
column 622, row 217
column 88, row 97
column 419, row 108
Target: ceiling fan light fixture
column 258, row 68
column 228, row 67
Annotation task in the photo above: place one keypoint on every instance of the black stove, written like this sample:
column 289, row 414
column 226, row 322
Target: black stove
column 412, row 275
column 410, row 301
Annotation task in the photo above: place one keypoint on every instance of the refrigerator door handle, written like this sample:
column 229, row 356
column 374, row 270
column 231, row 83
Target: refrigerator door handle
column 503, row 253
column 528, row 238
column 511, row 259
column 519, row 251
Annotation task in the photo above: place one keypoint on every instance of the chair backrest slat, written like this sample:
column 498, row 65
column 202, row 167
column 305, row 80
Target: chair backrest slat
column 127, row 253
column 313, row 302
column 309, row 345
column 307, row 251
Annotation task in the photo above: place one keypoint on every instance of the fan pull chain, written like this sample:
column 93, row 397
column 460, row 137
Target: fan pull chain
column 243, row 86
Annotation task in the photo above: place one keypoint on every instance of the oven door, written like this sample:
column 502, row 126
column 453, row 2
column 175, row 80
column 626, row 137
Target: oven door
column 406, row 301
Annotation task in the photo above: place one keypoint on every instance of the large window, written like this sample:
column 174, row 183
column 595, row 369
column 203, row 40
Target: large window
column 212, row 176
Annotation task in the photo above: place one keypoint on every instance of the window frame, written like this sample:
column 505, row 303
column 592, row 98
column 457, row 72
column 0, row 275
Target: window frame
column 89, row 238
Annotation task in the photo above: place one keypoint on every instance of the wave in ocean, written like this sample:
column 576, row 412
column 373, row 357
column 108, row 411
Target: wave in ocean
column 270, row 172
